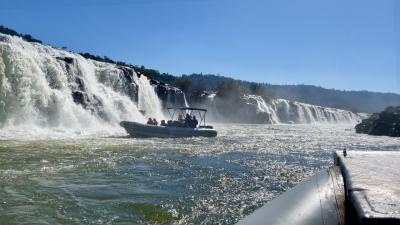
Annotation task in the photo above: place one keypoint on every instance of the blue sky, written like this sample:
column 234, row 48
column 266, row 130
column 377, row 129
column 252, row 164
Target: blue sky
column 341, row 44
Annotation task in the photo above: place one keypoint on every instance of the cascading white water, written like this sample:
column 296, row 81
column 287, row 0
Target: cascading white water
column 52, row 89
column 49, row 88
column 148, row 100
column 262, row 106
column 285, row 111
column 185, row 101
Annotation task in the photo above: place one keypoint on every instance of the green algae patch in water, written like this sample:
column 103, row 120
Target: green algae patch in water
column 154, row 213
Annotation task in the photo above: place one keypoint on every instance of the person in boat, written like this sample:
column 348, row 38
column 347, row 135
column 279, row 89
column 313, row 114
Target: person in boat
column 163, row 123
column 155, row 122
column 180, row 118
column 187, row 120
column 150, row 121
column 194, row 122
column 190, row 121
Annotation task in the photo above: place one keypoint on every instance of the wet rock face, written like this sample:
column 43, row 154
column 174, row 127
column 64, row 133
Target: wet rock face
column 121, row 79
column 123, row 82
column 128, row 73
column 169, row 95
column 130, row 87
column 68, row 60
column 385, row 123
column 249, row 109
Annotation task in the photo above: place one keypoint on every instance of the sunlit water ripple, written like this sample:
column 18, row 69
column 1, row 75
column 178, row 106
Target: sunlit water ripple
column 119, row 180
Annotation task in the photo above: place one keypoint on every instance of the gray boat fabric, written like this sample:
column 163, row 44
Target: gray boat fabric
column 311, row 202
column 143, row 130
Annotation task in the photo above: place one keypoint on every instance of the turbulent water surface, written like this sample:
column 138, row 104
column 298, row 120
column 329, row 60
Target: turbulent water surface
column 119, row 180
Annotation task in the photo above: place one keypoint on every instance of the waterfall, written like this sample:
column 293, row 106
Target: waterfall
column 52, row 89
column 186, row 104
column 148, row 99
column 262, row 106
column 285, row 111
column 41, row 86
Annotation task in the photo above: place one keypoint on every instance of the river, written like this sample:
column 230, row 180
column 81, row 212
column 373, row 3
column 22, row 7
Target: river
column 96, row 179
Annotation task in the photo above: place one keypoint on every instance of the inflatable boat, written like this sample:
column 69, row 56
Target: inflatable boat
column 174, row 128
column 143, row 130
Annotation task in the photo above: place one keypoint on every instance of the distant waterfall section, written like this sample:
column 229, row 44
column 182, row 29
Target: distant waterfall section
column 285, row 111
column 255, row 109
column 41, row 86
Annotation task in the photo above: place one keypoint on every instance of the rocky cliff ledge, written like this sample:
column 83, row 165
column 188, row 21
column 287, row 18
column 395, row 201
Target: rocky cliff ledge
column 121, row 79
column 170, row 96
column 385, row 123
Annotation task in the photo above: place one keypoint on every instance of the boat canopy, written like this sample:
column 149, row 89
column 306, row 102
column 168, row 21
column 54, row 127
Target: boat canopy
column 189, row 110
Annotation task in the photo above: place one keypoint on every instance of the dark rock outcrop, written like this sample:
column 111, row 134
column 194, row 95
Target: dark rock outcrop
column 89, row 102
column 68, row 60
column 385, row 123
column 125, row 83
column 128, row 73
column 169, row 95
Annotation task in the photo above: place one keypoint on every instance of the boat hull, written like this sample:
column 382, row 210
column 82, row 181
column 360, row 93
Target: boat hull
column 143, row 130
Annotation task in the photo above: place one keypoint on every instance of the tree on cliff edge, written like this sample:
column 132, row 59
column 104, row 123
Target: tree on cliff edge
column 230, row 89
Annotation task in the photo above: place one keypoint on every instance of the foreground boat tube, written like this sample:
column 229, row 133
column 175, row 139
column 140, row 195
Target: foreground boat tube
column 143, row 130
column 312, row 202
